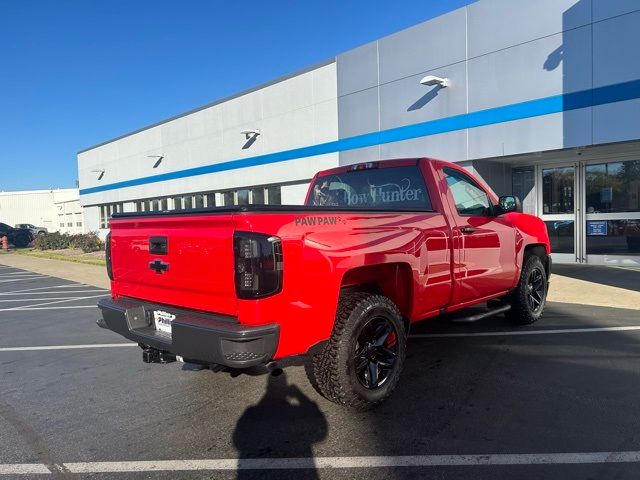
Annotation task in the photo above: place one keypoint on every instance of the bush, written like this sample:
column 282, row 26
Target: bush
column 52, row 241
column 87, row 242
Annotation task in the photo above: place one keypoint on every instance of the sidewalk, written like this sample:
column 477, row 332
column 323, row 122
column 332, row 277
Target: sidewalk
column 579, row 284
column 76, row 272
column 595, row 285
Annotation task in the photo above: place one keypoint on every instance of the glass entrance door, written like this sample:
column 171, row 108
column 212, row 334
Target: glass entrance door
column 560, row 211
column 612, row 212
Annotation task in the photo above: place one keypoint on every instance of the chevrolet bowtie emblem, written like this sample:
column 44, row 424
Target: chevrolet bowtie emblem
column 158, row 266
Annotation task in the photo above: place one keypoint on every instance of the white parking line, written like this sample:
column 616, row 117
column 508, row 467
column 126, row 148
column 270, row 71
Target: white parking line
column 328, row 463
column 38, row 299
column 23, row 469
column 57, row 292
column 28, row 309
column 18, row 274
column 64, row 285
column 69, row 299
column 66, row 347
column 527, row 332
column 31, row 277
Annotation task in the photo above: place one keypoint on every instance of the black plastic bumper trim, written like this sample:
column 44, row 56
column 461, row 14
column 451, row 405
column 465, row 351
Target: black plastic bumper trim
column 202, row 337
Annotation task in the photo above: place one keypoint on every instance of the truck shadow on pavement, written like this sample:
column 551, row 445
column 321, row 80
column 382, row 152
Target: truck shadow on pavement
column 499, row 394
column 285, row 422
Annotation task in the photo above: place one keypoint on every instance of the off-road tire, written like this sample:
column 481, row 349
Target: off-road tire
column 332, row 370
column 522, row 313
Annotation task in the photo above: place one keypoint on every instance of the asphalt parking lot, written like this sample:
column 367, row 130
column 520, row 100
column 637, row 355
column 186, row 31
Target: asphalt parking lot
column 485, row 400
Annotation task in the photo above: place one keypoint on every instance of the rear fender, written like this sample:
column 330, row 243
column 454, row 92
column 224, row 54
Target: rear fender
column 393, row 280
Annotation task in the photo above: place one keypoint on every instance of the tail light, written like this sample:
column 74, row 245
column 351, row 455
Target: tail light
column 258, row 260
column 107, row 252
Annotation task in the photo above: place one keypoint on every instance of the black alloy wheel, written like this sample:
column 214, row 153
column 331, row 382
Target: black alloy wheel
column 529, row 297
column 376, row 352
column 535, row 290
column 360, row 365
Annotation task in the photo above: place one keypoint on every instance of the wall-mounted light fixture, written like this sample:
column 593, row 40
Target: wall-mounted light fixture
column 158, row 159
column 100, row 173
column 432, row 80
column 249, row 134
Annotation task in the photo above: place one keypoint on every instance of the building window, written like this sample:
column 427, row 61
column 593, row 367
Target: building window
column 274, row 195
column 78, row 224
column 257, row 196
column 103, row 217
column 561, row 235
column 523, row 186
column 227, row 198
column 557, row 190
column 613, row 187
column 243, row 197
column 106, row 211
column 613, row 237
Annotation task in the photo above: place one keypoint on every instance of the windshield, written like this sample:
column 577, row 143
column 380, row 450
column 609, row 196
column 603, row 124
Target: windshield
column 395, row 188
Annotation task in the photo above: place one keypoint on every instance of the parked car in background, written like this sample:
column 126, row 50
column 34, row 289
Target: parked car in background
column 19, row 237
column 34, row 230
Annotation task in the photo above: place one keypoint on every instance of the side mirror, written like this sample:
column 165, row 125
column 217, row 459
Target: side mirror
column 508, row 203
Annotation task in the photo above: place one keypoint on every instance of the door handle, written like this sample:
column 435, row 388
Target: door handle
column 467, row 229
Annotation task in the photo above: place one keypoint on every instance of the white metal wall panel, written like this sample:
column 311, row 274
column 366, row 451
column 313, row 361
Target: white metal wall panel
column 297, row 112
column 451, row 146
column 549, row 66
column 426, row 46
column 407, row 101
column 358, row 69
column 497, row 24
column 294, row 194
column 603, row 9
column 615, row 50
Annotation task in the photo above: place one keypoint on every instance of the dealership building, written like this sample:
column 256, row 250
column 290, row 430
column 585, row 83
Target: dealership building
column 541, row 99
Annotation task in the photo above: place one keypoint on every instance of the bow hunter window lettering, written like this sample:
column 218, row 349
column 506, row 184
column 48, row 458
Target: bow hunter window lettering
column 400, row 188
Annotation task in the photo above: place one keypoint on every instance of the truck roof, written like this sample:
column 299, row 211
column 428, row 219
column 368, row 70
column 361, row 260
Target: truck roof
column 398, row 162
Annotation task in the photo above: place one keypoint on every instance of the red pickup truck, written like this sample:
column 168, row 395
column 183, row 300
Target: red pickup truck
column 377, row 247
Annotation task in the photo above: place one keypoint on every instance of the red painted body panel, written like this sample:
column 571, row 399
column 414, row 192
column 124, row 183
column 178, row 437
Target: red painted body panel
column 421, row 260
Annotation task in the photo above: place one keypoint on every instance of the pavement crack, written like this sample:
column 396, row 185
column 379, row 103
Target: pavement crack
column 34, row 441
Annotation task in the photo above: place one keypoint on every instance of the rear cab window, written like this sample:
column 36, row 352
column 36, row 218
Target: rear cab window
column 390, row 188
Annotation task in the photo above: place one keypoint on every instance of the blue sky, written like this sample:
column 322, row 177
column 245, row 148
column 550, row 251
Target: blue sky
column 74, row 73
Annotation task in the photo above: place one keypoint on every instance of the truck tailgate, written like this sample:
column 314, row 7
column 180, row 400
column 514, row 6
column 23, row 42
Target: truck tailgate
column 184, row 260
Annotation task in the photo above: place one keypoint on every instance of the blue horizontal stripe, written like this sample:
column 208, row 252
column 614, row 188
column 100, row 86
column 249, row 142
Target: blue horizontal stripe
column 508, row 113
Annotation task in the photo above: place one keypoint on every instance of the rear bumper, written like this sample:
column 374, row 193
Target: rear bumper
column 195, row 336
